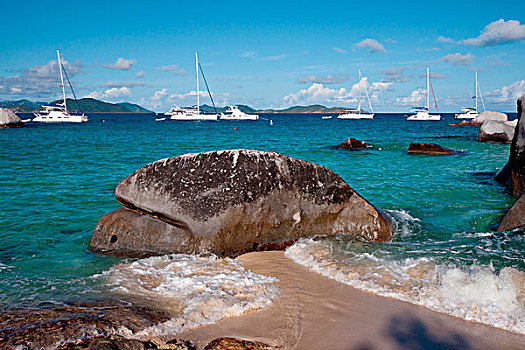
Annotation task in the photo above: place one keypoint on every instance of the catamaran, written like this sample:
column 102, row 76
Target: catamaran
column 472, row 112
column 421, row 113
column 359, row 113
column 58, row 113
column 234, row 113
column 177, row 113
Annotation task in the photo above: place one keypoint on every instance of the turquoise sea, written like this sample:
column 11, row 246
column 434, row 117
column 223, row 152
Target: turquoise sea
column 57, row 180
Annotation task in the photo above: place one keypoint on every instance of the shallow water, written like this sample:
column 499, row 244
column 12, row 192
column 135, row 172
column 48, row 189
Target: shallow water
column 58, row 180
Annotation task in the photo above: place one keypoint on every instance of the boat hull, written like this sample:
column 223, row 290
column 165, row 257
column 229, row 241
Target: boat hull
column 59, row 118
column 194, row 117
column 424, row 117
column 356, row 116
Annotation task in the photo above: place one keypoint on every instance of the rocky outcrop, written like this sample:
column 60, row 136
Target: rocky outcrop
column 8, row 119
column 496, row 131
column 352, row 143
column 232, row 202
column 515, row 217
column 121, row 343
column 237, row 344
column 484, row 116
column 428, row 148
column 513, row 174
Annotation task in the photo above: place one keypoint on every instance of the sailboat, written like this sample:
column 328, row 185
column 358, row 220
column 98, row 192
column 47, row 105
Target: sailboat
column 177, row 113
column 58, row 113
column 472, row 112
column 359, row 113
column 421, row 113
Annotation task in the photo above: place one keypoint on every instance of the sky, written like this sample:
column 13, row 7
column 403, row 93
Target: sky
column 271, row 54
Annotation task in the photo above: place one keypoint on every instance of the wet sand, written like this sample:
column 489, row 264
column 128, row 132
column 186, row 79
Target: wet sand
column 315, row 312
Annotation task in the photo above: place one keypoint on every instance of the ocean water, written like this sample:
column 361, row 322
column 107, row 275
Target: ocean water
column 59, row 179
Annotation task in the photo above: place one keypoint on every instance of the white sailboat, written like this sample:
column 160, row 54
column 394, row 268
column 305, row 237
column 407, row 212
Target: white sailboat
column 234, row 113
column 177, row 113
column 472, row 112
column 58, row 113
column 421, row 113
column 359, row 113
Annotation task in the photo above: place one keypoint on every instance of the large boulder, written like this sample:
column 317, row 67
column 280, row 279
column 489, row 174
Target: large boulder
column 488, row 115
column 352, row 143
column 428, row 148
column 496, row 131
column 513, row 174
column 232, row 202
column 515, row 217
column 8, row 119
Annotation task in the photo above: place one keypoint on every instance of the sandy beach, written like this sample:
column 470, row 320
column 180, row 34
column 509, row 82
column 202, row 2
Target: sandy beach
column 314, row 312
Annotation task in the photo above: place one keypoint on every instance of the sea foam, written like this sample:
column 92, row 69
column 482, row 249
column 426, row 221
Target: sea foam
column 477, row 293
column 196, row 290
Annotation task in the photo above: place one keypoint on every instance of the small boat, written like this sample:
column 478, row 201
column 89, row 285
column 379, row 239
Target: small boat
column 234, row 113
column 271, row 122
column 359, row 113
column 326, row 117
column 160, row 119
column 421, row 113
column 26, row 120
column 177, row 113
column 58, row 113
column 471, row 112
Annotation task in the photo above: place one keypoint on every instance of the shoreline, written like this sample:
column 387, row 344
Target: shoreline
column 316, row 312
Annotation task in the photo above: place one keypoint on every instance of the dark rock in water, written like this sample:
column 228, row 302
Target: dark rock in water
column 352, row 143
column 465, row 122
column 495, row 131
column 236, row 344
column 232, row 202
column 428, row 148
column 121, row 343
column 515, row 217
column 8, row 119
column 53, row 327
column 513, row 174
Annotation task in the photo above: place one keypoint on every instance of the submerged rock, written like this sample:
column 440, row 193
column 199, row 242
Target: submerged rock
column 8, row 119
column 428, row 148
column 515, row 217
column 232, row 202
column 513, row 174
column 236, row 344
column 352, row 143
column 496, row 131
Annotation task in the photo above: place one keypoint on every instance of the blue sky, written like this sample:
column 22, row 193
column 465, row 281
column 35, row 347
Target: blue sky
column 268, row 54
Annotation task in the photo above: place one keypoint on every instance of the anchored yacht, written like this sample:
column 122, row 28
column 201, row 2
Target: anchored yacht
column 234, row 113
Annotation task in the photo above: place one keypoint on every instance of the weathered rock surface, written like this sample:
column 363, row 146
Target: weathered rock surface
column 428, row 148
column 232, row 202
column 236, row 344
column 352, row 143
column 513, row 174
column 515, row 217
column 484, row 116
column 121, row 343
column 8, row 119
column 496, row 131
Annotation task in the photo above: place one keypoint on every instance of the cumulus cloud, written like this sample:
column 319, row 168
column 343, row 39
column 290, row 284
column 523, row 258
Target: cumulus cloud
column 458, row 59
column 121, row 64
column 508, row 93
column 339, row 50
column 110, row 94
column 155, row 101
column 140, row 74
column 326, row 79
column 173, row 69
column 446, row 40
column 498, row 32
column 395, row 75
column 371, row 45
column 41, row 81
column 416, row 97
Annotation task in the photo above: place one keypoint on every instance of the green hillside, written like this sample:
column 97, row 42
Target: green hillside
column 90, row 105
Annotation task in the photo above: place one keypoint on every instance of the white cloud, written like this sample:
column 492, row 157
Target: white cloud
column 458, row 59
column 498, row 32
column 173, row 69
column 15, row 90
column 123, row 83
column 249, row 54
column 327, row 79
column 445, row 40
column 395, row 75
column 156, row 101
column 508, row 93
column 111, row 94
column 432, row 49
column 274, row 58
column 140, row 74
column 371, row 45
column 416, row 97
column 339, row 50
column 121, row 64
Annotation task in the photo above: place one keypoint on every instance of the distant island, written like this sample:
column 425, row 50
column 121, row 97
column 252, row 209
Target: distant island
column 91, row 105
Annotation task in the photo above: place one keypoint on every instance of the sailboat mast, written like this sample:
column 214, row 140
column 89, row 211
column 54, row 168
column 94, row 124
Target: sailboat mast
column 62, row 80
column 197, row 75
column 366, row 92
column 476, row 91
column 428, row 88
column 360, row 92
